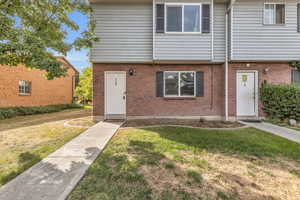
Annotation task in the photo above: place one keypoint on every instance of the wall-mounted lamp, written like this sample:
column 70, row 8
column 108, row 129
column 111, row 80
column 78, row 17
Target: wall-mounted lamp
column 248, row 65
column 131, row 72
column 266, row 70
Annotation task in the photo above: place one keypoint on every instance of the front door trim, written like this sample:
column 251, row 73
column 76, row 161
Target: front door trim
column 105, row 91
column 256, row 82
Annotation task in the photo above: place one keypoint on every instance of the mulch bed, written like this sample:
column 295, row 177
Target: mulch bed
column 184, row 122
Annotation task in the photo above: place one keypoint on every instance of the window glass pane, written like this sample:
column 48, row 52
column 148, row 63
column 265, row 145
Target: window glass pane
column 280, row 13
column 187, row 84
column 296, row 76
column 192, row 18
column 171, row 83
column 24, row 87
column 21, row 86
column 174, row 19
column 269, row 14
column 27, row 88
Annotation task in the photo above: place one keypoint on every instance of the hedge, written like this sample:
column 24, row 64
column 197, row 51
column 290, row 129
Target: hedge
column 10, row 112
column 281, row 101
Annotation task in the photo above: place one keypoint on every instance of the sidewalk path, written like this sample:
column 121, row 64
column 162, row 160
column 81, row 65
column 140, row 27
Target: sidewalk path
column 56, row 176
column 287, row 133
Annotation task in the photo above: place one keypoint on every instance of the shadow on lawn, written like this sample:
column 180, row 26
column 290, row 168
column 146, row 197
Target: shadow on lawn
column 165, row 179
column 49, row 178
column 33, row 120
column 26, row 160
column 141, row 172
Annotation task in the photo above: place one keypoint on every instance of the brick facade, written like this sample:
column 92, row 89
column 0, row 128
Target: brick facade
column 43, row 92
column 141, row 91
column 141, row 88
column 275, row 73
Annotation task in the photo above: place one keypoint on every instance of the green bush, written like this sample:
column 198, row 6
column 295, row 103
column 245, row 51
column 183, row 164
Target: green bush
column 21, row 111
column 281, row 101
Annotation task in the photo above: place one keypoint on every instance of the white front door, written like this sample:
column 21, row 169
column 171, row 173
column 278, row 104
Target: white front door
column 115, row 95
column 246, row 93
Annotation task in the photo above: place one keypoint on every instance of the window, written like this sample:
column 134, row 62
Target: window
column 183, row 18
column 295, row 76
column 24, row 87
column 298, row 17
column 274, row 13
column 179, row 84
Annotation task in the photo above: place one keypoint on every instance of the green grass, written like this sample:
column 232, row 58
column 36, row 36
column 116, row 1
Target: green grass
column 172, row 163
column 24, row 141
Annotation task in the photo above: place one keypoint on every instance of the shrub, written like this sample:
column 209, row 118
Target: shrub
column 281, row 101
column 21, row 111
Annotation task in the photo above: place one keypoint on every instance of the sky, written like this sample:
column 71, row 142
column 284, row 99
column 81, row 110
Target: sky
column 78, row 59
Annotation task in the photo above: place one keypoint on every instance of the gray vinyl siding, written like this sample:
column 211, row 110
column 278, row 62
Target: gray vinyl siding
column 125, row 33
column 251, row 40
column 219, row 32
column 182, row 46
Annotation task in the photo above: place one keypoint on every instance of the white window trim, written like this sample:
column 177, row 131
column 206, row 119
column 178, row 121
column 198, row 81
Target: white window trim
column 24, row 88
column 182, row 21
column 179, row 92
column 276, row 3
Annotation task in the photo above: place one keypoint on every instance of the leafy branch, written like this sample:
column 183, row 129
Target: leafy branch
column 32, row 30
column 295, row 65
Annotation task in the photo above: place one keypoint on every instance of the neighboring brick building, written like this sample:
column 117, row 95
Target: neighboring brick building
column 20, row 86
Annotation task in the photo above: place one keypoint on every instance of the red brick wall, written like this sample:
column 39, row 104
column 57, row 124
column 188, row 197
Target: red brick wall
column 141, row 91
column 278, row 73
column 43, row 92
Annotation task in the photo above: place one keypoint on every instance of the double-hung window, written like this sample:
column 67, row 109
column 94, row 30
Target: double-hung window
column 179, row 84
column 24, row 87
column 274, row 13
column 296, row 76
column 298, row 17
column 183, row 18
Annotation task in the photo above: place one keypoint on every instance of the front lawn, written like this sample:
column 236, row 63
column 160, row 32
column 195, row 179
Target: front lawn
column 26, row 140
column 167, row 163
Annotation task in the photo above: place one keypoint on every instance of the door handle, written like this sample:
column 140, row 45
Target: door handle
column 124, row 97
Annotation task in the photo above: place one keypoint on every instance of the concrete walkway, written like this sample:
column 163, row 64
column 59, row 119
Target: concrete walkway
column 287, row 133
column 55, row 176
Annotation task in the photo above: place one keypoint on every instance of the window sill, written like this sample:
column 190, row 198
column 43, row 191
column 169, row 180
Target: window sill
column 24, row 94
column 274, row 25
column 179, row 98
column 183, row 33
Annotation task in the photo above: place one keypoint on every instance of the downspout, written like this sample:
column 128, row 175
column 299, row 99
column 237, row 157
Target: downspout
column 212, row 30
column 153, row 30
column 226, row 67
column 227, row 57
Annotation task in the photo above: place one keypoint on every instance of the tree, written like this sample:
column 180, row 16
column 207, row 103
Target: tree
column 84, row 89
column 31, row 29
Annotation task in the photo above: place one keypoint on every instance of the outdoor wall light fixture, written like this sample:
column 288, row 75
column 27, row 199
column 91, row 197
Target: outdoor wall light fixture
column 131, row 72
column 266, row 70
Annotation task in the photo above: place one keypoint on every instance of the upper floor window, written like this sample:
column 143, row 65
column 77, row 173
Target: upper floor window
column 183, row 18
column 24, row 87
column 298, row 17
column 274, row 13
